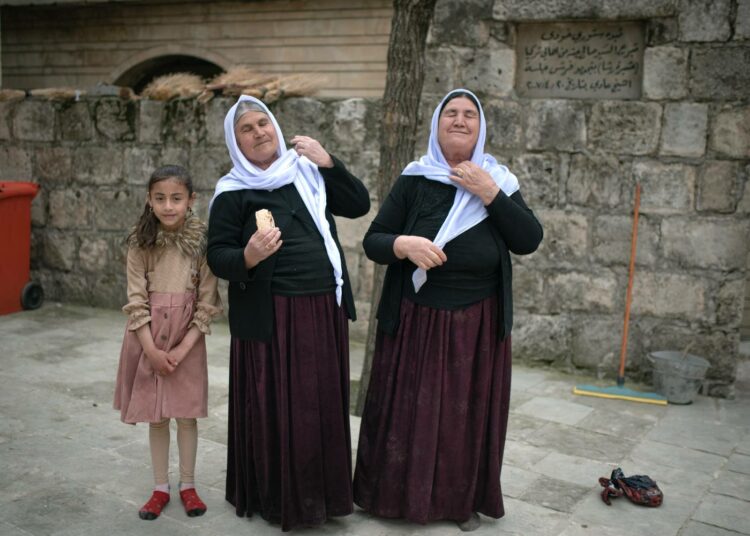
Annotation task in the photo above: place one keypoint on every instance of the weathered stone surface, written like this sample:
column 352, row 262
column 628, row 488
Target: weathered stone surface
column 612, row 237
column 139, row 163
column 743, row 206
column 730, row 132
column 704, row 20
column 597, row 180
column 6, row 112
column 730, row 301
column 565, row 235
column 53, row 164
column 98, row 165
column 528, row 288
column 39, row 209
column 719, row 185
column 539, row 178
column 665, row 188
column 60, row 250
column 182, row 122
column 177, row 156
column 742, row 20
column 461, row 23
column 556, row 495
column 684, row 131
column 441, row 70
column 706, row 243
column 576, row 291
column 207, row 166
column 117, row 210
column 16, row 164
column 504, row 124
column 661, row 31
column 725, row 512
column 215, row 112
column 556, row 125
column 150, row 116
column 541, row 338
column 351, row 232
column 70, row 209
column 363, row 165
column 115, row 119
column 520, row 10
column 302, row 117
column 76, row 123
column 665, row 72
column 669, row 295
column 109, row 290
column 720, row 73
column 348, row 126
column 34, row 120
column 491, row 71
column 625, row 127
column 94, row 254
column 592, row 339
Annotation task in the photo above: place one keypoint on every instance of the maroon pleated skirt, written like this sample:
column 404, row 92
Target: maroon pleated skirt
column 289, row 447
column 433, row 429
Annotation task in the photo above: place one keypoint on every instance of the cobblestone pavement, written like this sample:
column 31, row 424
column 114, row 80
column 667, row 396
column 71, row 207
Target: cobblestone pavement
column 69, row 467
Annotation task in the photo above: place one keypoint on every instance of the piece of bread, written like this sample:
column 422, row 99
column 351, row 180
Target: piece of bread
column 264, row 219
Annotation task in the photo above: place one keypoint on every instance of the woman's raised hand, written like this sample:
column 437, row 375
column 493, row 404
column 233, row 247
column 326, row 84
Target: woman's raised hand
column 419, row 250
column 473, row 178
column 262, row 245
column 313, row 150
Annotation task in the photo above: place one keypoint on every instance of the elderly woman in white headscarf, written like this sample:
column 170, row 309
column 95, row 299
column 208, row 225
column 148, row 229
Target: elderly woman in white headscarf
column 289, row 447
column 433, row 429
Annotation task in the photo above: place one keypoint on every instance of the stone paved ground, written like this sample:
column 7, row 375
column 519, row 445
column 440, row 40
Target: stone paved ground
column 69, row 467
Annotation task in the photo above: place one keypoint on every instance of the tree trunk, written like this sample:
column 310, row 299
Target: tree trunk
column 403, row 89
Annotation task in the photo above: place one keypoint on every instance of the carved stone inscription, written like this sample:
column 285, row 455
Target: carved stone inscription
column 580, row 60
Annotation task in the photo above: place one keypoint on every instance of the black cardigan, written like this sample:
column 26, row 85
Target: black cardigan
column 514, row 228
column 232, row 223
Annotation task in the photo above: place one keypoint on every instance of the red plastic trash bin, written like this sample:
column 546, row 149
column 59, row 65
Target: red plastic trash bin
column 16, row 291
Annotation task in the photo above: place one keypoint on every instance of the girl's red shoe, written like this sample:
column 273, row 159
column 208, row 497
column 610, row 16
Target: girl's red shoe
column 154, row 505
column 193, row 505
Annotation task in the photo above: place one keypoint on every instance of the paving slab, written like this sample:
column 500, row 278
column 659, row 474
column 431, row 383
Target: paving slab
column 555, row 410
column 733, row 484
column 724, row 512
column 739, row 463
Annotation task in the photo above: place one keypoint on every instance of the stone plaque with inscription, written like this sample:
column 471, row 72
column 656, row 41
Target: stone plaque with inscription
column 580, row 60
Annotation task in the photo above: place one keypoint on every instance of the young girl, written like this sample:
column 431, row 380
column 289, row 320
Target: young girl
column 172, row 297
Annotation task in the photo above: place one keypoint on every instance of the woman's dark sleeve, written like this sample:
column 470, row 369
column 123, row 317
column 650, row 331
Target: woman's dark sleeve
column 346, row 194
column 388, row 224
column 225, row 252
column 517, row 224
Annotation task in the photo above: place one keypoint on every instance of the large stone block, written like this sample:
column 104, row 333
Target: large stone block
column 364, row 166
column 70, row 209
column 461, row 22
column 94, row 254
column 719, row 186
column 98, row 165
column 108, row 289
column 60, row 250
column 528, row 289
column 665, row 188
column 303, row 117
column 441, row 69
column 115, row 119
column 742, row 20
column 6, row 113
column 16, row 164
column 665, row 72
column 743, row 206
column 594, row 341
column 176, row 156
column 625, row 127
column 39, row 209
column 183, row 122
column 704, row 20
column 556, row 125
column 539, row 178
column 720, row 73
column 76, row 123
column 215, row 112
column 54, row 164
column 351, row 232
column 730, row 301
column 150, row 117
column 612, row 239
column 208, row 165
column 565, row 236
column 541, row 338
column 661, row 31
column 34, row 120
column 504, row 124
column 578, row 291
column 597, row 180
column 117, row 210
column 139, row 163
column 491, row 71
column 730, row 132
column 349, row 132
column 684, row 131
column 523, row 10
column 706, row 243
column 670, row 295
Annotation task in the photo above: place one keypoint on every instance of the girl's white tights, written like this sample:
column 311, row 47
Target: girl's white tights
column 187, row 444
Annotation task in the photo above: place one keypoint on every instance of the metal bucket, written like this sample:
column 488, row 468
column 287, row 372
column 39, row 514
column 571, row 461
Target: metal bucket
column 678, row 376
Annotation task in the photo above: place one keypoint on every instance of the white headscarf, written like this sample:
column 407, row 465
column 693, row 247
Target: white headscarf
column 468, row 209
column 288, row 168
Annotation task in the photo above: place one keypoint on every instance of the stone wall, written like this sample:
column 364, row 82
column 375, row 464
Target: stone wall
column 686, row 141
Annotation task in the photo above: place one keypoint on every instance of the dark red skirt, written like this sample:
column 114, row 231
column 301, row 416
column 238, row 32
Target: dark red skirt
column 289, row 447
column 433, row 429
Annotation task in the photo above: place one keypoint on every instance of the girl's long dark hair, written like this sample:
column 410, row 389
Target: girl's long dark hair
column 144, row 234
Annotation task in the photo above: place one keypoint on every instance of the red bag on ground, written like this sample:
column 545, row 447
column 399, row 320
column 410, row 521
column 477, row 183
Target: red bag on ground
column 640, row 489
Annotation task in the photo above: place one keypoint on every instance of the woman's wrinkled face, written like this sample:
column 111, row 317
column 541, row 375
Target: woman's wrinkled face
column 256, row 138
column 458, row 129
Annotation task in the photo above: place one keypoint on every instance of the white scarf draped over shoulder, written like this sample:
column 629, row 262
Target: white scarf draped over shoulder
column 288, row 168
column 468, row 209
